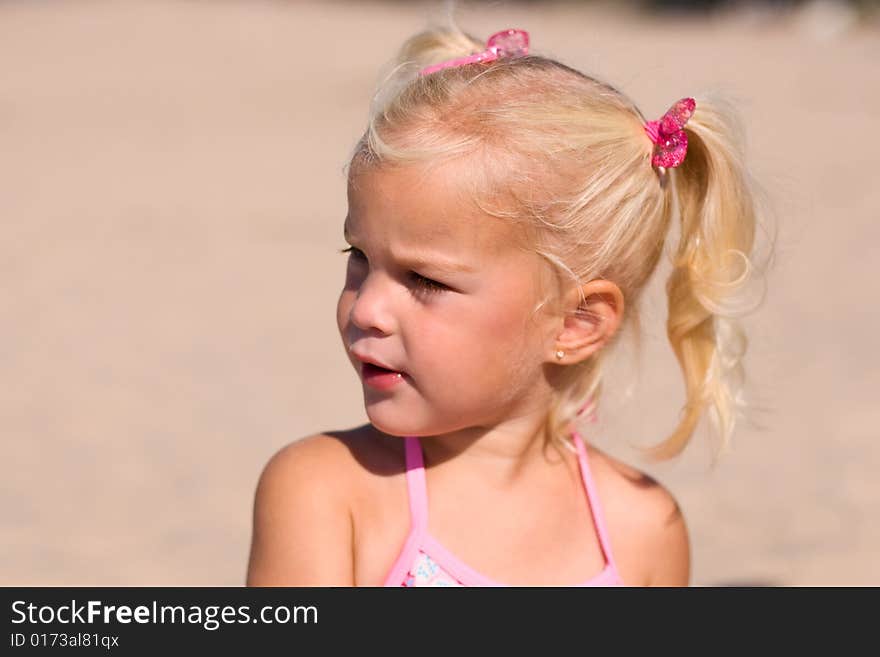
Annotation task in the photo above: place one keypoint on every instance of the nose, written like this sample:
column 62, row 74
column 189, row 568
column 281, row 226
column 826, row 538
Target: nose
column 372, row 304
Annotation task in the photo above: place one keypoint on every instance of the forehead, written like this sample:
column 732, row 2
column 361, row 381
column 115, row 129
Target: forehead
column 427, row 207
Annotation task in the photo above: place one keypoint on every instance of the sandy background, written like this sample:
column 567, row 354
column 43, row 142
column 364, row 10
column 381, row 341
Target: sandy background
column 171, row 203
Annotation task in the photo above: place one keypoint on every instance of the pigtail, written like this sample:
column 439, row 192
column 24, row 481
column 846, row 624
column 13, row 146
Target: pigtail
column 438, row 44
column 432, row 46
column 711, row 268
column 402, row 94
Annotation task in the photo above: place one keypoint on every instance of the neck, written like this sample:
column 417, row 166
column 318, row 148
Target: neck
column 504, row 450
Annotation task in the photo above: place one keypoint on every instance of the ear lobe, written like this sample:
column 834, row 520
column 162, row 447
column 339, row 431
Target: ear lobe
column 592, row 323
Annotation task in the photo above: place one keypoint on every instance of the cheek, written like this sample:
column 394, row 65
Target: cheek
column 343, row 309
column 482, row 341
column 508, row 315
column 510, row 331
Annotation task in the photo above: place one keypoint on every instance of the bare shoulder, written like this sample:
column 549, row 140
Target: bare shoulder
column 302, row 525
column 315, row 455
column 648, row 531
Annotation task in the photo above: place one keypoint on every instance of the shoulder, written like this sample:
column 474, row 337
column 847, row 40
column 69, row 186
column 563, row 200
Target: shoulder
column 300, row 463
column 330, row 463
column 302, row 520
column 306, row 471
column 648, row 531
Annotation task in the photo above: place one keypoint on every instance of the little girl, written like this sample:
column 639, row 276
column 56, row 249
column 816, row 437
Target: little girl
column 504, row 215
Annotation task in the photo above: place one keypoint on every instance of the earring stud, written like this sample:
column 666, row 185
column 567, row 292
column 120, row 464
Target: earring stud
column 560, row 354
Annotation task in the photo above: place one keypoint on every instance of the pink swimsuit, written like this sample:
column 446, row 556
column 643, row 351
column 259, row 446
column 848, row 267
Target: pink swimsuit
column 424, row 561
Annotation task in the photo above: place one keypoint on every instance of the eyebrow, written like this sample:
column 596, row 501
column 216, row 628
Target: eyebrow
column 417, row 261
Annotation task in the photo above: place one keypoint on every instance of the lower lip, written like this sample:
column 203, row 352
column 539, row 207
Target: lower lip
column 380, row 379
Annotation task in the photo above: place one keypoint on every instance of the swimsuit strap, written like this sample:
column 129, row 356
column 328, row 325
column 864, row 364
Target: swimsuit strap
column 418, row 492
column 415, row 481
column 593, row 499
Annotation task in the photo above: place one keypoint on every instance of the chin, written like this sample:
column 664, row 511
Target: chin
column 401, row 423
column 387, row 424
column 398, row 421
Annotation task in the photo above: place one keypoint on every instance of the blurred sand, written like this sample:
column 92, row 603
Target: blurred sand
column 171, row 203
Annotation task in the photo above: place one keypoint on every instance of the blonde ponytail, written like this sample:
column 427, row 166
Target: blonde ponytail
column 421, row 50
column 712, row 267
column 437, row 45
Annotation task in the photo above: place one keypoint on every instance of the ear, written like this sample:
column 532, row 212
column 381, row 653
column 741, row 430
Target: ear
column 589, row 325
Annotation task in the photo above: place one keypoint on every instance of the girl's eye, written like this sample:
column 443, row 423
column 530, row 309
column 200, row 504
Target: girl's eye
column 355, row 253
column 427, row 284
column 422, row 283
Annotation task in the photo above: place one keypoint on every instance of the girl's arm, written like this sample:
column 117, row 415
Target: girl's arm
column 302, row 529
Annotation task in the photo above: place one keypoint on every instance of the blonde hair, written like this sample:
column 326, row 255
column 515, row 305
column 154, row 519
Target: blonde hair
column 566, row 157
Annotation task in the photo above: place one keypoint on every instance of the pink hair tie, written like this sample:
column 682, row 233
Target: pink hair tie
column 668, row 135
column 507, row 43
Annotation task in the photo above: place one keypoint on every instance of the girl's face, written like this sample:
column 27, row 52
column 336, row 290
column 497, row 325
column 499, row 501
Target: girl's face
column 439, row 291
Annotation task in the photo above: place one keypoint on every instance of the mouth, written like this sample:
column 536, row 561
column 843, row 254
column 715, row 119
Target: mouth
column 369, row 369
column 380, row 378
column 370, row 361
